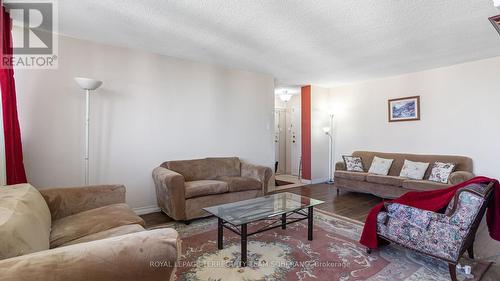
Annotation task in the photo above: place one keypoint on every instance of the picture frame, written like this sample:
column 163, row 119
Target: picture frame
column 496, row 22
column 404, row 109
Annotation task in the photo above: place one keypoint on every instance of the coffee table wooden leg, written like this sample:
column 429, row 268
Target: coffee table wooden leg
column 220, row 234
column 244, row 245
column 283, row 221
column 310, row 220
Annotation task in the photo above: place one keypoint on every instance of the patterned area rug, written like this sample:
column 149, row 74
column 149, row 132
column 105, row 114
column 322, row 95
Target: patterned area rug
column 280, row 254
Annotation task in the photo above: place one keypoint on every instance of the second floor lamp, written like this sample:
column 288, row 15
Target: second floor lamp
column 88, row 85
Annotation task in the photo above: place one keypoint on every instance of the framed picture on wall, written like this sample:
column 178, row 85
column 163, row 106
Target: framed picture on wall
column 404, row 109
column 496, row 22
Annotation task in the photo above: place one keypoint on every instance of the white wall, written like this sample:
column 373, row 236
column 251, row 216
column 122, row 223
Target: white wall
column 151, row 108
column 459, row 107
column 320, row 109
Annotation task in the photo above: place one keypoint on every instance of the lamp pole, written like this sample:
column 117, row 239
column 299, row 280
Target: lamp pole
column 328, row 132
column 87, row 135
column 88, row 85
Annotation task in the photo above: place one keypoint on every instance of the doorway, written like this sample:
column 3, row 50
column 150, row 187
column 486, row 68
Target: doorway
column 287, row 138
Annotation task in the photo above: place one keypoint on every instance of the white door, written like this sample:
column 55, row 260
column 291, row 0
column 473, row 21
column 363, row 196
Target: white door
column 295, row 140
column 280, row 140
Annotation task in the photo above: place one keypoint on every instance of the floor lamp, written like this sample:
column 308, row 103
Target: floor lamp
column 328, row 132
column 88, row 85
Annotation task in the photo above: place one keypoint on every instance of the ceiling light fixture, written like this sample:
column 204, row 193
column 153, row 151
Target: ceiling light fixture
column 285, row 96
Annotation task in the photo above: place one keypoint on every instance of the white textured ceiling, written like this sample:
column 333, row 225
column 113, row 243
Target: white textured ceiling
column 324, row 42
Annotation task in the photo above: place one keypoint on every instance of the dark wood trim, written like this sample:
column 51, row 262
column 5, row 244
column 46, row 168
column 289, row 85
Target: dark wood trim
column 305, row 127
column 464, row 189
column 495, row 20
column 405, row 98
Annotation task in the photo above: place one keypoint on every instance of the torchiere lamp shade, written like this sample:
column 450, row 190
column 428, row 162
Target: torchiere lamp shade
column 88, row 83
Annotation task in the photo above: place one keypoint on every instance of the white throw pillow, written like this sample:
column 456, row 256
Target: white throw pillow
column 353, row 164
column 441, row 172
column 414, row 170
column 380, row 166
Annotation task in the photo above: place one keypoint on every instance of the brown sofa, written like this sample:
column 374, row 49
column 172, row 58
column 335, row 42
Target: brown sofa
column 184, row 187
column 392, row 186
column 83, row 233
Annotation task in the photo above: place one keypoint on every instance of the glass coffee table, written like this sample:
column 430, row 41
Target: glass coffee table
column 279, row 209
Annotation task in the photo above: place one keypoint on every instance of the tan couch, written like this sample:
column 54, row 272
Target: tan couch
column 184, row 187
column 392, row 186
column 81, row 233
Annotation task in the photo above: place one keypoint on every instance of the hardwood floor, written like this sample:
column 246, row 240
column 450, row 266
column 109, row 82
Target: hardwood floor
column 348, row 204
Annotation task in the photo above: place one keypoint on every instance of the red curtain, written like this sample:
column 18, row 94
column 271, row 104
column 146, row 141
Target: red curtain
column 13, row 148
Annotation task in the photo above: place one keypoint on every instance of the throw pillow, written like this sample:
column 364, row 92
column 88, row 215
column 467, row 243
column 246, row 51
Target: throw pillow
column 441, row 172
column 380, row 166
column 414, row 170
column 25, row 221
column 353, row 164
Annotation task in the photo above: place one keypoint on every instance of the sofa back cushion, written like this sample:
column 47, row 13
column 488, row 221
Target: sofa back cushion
column 226, row 166
column 24, row 221
column 463, row 163
column 205, row 169
column 192, row 170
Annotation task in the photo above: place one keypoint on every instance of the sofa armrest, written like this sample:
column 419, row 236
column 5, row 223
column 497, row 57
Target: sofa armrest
column 170, row 192
column 340, row 166
column 147, row 255
column 460, row 176
column 261, row 173
column 67, row 201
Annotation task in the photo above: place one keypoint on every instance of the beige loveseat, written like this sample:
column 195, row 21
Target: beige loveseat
column 392, row 186
column 79, row 234
column 184, row 187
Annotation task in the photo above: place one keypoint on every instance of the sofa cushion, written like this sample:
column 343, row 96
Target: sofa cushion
column 380, row 166
column 226, row 166
column 241, row 184
column 113, row 232
column 463, row 163
column 353, row 164
column 423, row 185
column 441, row 172
column 24, row 221
column 357, row 176
column 414, row 170
column 205, row 169
column 92, row 221
column 387, row 180
column 204, row 187
column 193, row 170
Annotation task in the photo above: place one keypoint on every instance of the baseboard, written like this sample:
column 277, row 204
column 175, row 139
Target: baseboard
column 146, row 210
column 316, row 181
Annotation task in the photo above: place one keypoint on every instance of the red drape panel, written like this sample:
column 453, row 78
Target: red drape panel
column 13, row 148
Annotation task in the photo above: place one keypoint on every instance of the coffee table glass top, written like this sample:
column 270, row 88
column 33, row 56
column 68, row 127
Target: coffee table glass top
column 246, row 211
